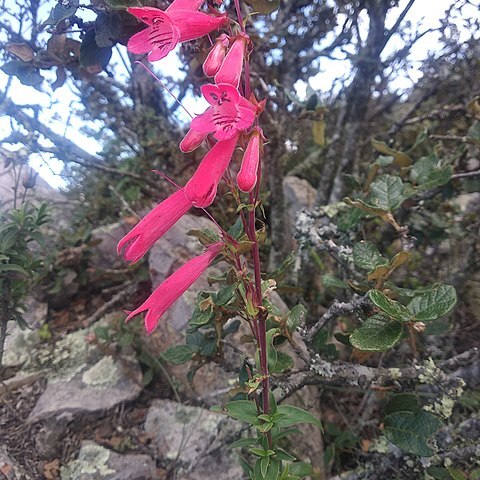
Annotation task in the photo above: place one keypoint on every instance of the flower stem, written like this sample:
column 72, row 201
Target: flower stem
column 252, row 234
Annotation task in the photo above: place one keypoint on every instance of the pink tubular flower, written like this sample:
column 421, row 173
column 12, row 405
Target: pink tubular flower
column 174, row 286
column 247, row 176
column 179, row 23
column 192, row 140
column 202, row 187
column 231, row 69
column 214, row 59
column 199, row 192
column 229, row 113
column 155, row 224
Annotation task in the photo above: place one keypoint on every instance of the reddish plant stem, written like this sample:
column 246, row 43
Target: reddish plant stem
column 261, row 318
column 252, row 234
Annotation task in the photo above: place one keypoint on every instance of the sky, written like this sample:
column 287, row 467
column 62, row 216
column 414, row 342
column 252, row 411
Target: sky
column 62, row 102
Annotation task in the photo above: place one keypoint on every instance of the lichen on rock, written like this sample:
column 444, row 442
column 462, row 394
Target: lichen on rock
column 103, row 374
column 92, row 460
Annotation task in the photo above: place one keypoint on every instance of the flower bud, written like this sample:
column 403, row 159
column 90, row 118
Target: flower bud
column 231, row 69
column 216, row 56
column 247, row 176
column 192, row 140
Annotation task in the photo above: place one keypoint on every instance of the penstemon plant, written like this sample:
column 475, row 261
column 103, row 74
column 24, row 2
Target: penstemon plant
column 231, row 120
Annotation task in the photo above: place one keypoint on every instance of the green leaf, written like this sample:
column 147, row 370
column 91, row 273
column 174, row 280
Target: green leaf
column 390, row 307
column 377, row 334
column 243, row 410
column 63, row 9
column 329, row 281
column 205, row 237
column 474, row 130
column 456, row 474
column 179, row 354
column 367, row 257
column 12, row 267
column 264, row 463
column 283, row 455
column 349, row 219
column 402, row 402
column 284, row 362
column 92, row 57
column 410, row 431
column 433, row 304
column 271, row 350
column 475, row 474
column 438, row 473
column 387, row 193
column 126, row 339
column 295, row 415
column 108, row 28
column 273, row 469
column 231, row 327
column 200, row 318
column 243, row 442
column 301, row 469
column 296, row 317
column 205, row 343
column 147, row 377
column 224, row 295
column 426, row 173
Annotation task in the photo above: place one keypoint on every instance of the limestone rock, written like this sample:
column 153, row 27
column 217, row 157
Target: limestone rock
column 105, row 240
column 81, row 379
column 98, row 463
column 194, row 438
column 297, row 194
column 19, row 342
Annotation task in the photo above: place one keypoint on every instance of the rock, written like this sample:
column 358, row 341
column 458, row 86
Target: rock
column 467, row 202
column 19, row 342
column 297, row 194
column 82, row 379
column 35, row 314
column 105, row 239
column 194, row 438
column 9, row 469
column 48, row 439
column 95, row 462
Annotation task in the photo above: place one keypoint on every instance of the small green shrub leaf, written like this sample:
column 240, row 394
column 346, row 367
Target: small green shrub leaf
column 390, row 307
column 284, row 362
column 179, row 354
column 387, row 193
column 367, row 257
column 402, row 402
column 377, row 334
column 295, row 415
column 411, row 430
column 329, row 281
column 242, row 410
column 296, row 317
column 433, row 304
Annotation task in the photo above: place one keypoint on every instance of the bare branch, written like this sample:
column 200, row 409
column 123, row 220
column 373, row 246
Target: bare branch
column 65, row 149
column 335, row 310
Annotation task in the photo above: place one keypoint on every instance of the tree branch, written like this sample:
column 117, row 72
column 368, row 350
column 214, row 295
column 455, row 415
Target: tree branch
column 65, row 149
